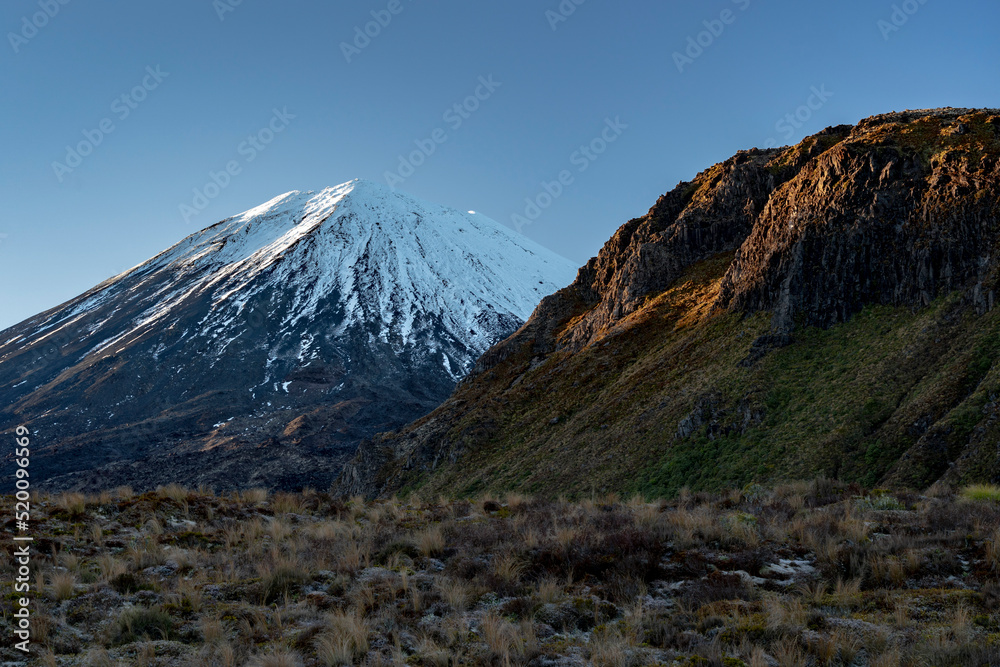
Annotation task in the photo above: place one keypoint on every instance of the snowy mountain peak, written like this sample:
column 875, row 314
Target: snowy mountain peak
column 400, row 260
column 357, row 303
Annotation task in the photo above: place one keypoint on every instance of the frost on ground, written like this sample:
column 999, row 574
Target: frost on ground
column 804, row 574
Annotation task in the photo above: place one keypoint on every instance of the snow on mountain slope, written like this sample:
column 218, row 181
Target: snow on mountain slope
column 356, row 296
column 398, row 258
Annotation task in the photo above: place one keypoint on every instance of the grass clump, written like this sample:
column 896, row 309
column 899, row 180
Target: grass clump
column 142, row 624
column 879, row 501
column 281, row 582
column 982, row 493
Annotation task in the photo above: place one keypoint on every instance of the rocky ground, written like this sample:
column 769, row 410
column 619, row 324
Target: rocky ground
column 802, row 574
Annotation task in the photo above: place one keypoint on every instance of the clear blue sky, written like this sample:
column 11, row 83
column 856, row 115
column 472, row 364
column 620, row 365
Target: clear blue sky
column 120, row 204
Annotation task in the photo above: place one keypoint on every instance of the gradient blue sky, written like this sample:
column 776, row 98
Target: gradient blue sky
column 609, row 59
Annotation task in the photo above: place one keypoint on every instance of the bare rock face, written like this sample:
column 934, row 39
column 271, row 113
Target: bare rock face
column 897, row 211
column 691, row 223
column 879, row 218
column 694, row 221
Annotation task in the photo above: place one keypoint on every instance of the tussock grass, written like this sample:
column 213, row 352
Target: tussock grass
column 62, row 585
column 175, row 492
column 140, row 623
column 277, row 658
column 430, row 541
column 73, row 503
column 982, row 493
column 748, row 576
column 252, row 497
column 344, row 640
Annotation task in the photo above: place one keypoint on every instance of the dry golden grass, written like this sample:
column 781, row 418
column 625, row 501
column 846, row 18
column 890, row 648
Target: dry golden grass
column 254, row 579
column 430, row 541
column 344, row 640
column 456, row 593
column 549, row 591
column 509, row 568
column 70, row 561
column 277, row 658
column 62, row 585
column 110, row 567
column 253, row 497
column 500, row 636
column 74, row 503
column 288, row 503
column 785, row 614
column 175, row 492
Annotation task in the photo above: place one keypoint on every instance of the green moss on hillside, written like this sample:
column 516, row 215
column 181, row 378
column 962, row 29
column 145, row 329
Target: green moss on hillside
column 848, row 402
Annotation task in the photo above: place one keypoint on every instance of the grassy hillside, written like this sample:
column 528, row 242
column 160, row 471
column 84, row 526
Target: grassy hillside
column 664, row 402
column 828, row 308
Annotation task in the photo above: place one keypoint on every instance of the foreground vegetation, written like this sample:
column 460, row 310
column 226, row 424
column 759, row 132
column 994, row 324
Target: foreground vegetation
column 803, row 574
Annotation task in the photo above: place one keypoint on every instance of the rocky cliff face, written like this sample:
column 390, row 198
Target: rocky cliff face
column 902, row 210
column 765, row 261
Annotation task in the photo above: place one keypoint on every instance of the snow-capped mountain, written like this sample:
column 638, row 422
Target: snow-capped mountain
column 263, row 348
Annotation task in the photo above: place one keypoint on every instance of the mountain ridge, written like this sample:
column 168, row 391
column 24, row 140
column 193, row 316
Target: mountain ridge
column 781, row 254
column 300, row 324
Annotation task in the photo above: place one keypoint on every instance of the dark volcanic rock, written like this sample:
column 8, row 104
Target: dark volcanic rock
column 899, row 210
column 689, row 224
column 878, row 218
column 261, row 350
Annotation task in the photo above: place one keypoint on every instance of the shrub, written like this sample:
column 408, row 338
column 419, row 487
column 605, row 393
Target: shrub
column 618, row 584
column 397, row 548
column 129, row 583
column 879, row 502
column 715, row 587
column 993, row 551
column 138, row 623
